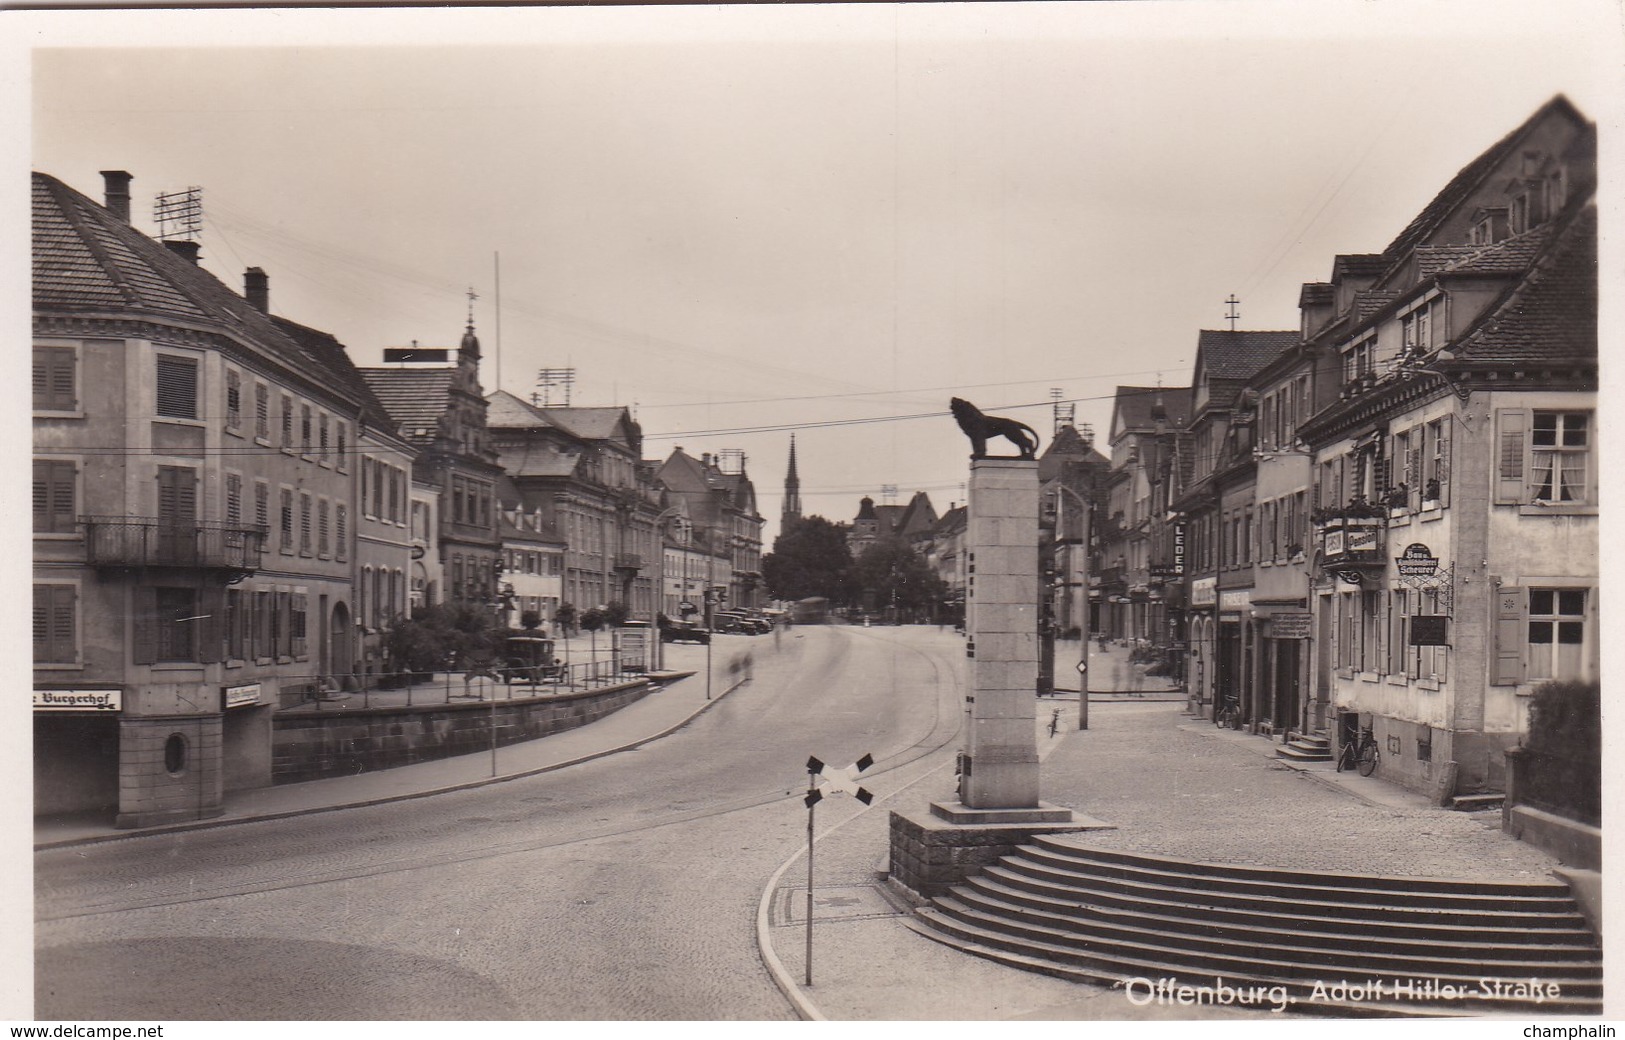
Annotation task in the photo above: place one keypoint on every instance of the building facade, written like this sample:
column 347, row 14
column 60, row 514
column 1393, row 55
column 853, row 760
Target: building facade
column 1456, row 513
column 194, row 526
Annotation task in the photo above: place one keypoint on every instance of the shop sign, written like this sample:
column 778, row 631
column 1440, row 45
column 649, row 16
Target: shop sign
column 1290, row 626
column 78, row 700
column 1429, row 630
column 1236, row 599
column 1417, row 561
column 1204, row 592
column 239, row 696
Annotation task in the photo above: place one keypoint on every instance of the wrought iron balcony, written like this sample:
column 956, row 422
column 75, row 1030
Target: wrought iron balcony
column 144, row 541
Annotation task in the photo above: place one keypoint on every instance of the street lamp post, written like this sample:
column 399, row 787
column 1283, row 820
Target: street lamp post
column 1083, row 636
column 657, row 652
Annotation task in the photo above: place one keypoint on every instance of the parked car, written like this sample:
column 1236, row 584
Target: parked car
column 683, row 632
column 529, row 659
column 738, row 621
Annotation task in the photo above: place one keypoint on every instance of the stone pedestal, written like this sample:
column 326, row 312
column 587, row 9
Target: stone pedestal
column 931, row 854
column 1000, row 767
column 998, row 807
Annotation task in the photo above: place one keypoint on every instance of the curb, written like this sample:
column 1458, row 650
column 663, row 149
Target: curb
column 198, row 825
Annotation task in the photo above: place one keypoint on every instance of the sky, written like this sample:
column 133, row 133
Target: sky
column 746, row 221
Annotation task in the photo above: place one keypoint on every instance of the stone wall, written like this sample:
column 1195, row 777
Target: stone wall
column 930, row 855
column 313, row 745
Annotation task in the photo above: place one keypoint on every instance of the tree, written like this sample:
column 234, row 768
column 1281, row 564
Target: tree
column 434, row 636
column 899, row 578
column 810, row 558
column 591, row 621
column 565, row 617
column 615, row 614
column 530, row 620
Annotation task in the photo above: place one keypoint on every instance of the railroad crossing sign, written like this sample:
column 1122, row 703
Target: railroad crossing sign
column 840, row 781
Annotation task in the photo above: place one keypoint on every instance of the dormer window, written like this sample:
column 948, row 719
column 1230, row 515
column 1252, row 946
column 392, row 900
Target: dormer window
column 1360, row 359
column 1489, row 227
column 1518, row 215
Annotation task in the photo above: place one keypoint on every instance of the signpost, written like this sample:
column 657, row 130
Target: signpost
column 842, row 781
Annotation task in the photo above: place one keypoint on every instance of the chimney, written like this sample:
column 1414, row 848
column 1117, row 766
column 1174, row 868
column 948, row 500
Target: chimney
column 117, row 193
column 257, row 289
column 184, row 248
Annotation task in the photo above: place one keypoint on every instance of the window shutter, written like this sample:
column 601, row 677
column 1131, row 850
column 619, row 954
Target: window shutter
column 144, row 625
column 42, row 622
column 1511, row 634
column 1511, row 449
column 1444, row 460
column 211, row 632
column 177, row 387
column 1413, row 468
column 53, row 377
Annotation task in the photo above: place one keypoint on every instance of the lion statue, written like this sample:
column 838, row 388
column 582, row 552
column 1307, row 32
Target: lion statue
column 979, row 428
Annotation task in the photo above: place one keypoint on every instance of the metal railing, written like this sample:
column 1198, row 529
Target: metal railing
column 144, row 541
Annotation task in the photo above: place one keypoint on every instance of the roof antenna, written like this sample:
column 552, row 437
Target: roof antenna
column 1233, row 315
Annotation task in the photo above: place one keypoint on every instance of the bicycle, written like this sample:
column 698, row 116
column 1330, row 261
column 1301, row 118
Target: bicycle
column 1054, row 722
column 1362, row 755
column 1228, row 715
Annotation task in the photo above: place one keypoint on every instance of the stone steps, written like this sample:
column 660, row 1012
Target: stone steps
column 1106, row 916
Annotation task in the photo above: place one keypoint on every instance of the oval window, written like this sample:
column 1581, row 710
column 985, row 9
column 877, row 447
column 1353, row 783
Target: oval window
column 175, row 753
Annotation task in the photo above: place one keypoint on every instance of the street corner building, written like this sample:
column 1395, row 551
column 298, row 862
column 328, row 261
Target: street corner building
column 1388, row 517
column 201, row 471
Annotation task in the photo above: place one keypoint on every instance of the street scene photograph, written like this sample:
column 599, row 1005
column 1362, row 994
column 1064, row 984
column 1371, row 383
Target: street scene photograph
column 1032, row 512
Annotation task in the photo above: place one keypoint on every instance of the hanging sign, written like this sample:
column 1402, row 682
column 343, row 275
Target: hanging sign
column 1429, row 630
column 1417, row 561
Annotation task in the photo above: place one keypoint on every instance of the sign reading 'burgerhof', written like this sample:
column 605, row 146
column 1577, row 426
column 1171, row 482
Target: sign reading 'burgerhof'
column 78, row 700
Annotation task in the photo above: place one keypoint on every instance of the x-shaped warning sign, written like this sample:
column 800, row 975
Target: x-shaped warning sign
column 840, row 781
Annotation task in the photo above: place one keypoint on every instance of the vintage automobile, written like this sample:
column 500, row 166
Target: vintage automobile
column 683, row 632
column 530, row 659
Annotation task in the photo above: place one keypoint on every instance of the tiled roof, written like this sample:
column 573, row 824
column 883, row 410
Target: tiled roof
column 592, row 424
column 86, row 260
column 1316, row 292
column 538, row 460
column 415, row 398
column 951, row 522
column 1370, row 264
column 1552, row 314
column 505, row 411
column 334, row 356
column 1468, row 179
column 1371, row 301
column 1133, row 405
column 1240, row 354
column 1509, row 256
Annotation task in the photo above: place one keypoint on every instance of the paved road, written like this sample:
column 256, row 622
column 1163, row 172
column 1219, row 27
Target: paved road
column 623, row 888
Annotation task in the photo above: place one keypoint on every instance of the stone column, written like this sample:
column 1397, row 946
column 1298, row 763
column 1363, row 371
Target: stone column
column 1001, row 621
column 998, row 808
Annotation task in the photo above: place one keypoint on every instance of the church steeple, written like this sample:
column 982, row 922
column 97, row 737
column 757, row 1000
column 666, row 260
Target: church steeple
column 792, row 488
column 469, row 349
